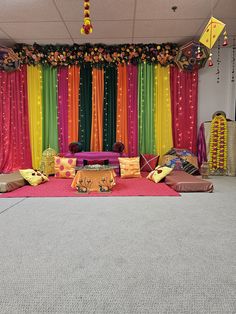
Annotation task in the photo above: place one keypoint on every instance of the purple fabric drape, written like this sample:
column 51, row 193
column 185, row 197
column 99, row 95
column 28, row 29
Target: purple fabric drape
column 201, row 146
column 14, row 122
column 62, row 78
column 132, row 95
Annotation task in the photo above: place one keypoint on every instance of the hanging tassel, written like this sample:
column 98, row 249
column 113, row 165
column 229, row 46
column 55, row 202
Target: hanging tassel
column 87, row 27
column 225, row 42
column 198, row 57
column 210, row 62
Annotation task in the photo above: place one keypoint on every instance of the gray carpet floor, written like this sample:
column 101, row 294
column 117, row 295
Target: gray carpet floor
column 126, row 255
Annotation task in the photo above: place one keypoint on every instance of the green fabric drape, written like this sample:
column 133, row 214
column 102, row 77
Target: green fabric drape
column 109, row 107
column 146, row 108
column 85, row 106
column 49, row 108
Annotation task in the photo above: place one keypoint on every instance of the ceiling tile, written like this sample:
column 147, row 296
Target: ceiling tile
column 28, row 10
column 161, row 28
column 102, row 29
column 225, row 9
column 230, row 26
column 7, row 42
column 99, row 10
column 3, row 35
column 106, row 41
column 47, row 41
column 160, row 40
column 161, row 9
column 35, row 30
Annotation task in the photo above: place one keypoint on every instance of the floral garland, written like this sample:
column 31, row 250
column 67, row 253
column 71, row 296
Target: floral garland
column 87, row 27
column 57, row 55
column 218, row 143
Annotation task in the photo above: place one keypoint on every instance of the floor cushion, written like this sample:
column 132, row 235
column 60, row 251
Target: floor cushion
column 112, row 157
column 181, row 181
column 11, row 181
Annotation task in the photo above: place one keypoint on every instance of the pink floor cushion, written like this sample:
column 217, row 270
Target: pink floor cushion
column 181, row 181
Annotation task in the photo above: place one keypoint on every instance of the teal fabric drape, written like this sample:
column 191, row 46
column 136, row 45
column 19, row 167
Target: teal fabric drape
column 109, row 107
column 85, row 106
column 146, row 108
column 49, row 108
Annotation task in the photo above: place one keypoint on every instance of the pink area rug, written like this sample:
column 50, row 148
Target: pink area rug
column 124, row 187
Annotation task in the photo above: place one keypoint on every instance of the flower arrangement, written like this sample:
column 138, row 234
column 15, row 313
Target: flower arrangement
column 65, row 55
column 218, row 143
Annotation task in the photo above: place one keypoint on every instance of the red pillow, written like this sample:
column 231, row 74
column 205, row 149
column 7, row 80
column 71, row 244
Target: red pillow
column 148, row 162
column 95, row 162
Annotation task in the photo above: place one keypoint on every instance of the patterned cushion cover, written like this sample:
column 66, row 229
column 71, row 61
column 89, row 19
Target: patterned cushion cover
column 64, row 167
column 129, row 167
column 179, row 152
column 148, row 162
column 171, row 161
column 159, row 173
column 33, row 177
column 189, row 168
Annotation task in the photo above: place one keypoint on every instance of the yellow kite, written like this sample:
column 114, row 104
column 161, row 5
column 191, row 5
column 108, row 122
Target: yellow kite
column 211, row 32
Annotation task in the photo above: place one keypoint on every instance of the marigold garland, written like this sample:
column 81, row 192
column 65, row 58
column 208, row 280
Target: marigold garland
column 65, row 55
column 87, row 27
column 218, row 143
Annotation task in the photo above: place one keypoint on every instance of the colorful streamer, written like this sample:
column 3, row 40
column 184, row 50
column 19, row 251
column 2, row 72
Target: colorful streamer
column 73, row 103
column 162, row 110
column 34, row 80
column 62, row 77
column 50, row 130
column 97, row 110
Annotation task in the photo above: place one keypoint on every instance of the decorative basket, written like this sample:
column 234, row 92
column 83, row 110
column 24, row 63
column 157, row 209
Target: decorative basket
column 47, row 164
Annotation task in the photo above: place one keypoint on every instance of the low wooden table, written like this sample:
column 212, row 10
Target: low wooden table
column 99, row 178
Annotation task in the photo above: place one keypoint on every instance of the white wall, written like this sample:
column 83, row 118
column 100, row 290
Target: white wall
column 213, row 96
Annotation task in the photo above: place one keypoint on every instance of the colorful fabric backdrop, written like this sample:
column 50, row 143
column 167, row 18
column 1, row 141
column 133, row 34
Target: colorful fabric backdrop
column 148, row 107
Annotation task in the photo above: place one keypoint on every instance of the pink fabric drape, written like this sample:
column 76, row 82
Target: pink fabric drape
column 62, row 77
column 14, row 122
column 132, row 95
column 184, row 103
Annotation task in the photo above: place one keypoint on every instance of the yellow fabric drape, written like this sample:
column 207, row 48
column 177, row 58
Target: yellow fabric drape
column 73, row 103
column 122, row 110
column 162, row 110
column 96, row 142
column 34, row 82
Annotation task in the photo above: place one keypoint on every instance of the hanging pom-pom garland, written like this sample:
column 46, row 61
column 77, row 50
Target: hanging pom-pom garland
column 233, row 62
column 210, row 62
column 225, row 42
column 218, row 63
column 87, row 27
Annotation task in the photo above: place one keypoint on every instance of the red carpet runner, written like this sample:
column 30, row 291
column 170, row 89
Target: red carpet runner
column 124, row 187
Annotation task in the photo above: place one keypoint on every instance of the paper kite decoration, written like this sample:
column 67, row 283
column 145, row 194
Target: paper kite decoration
column 191, row 56
column 211, row 32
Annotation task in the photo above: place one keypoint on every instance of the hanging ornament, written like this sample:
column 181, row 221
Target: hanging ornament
column 211, row 32
column 225, row 43
column 210, row 62
column 218, row 63
column 87, row 27
column 233, row 61
column 198, row 56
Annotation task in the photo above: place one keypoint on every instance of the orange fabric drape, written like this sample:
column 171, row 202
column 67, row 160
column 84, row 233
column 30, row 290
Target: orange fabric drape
column 96, row 143
column 73, row 103
column 122, row 107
